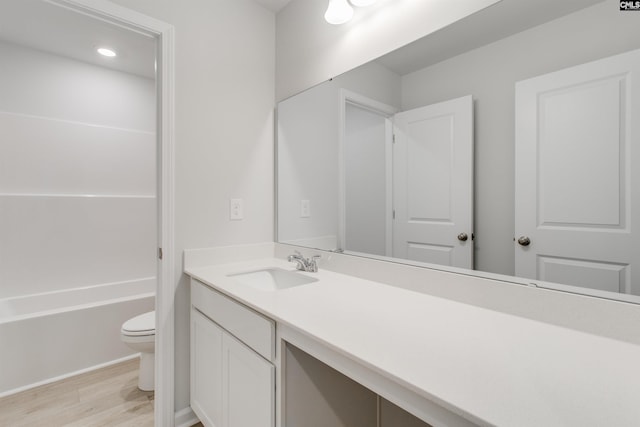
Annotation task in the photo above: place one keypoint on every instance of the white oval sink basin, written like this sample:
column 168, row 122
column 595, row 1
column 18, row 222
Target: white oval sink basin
column 272, row 279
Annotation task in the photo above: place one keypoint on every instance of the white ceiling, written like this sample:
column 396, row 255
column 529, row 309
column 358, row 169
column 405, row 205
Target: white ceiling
column 500, row 20
column 46, row 27
column 40, row 25
column 274, row 5
column 43, row 26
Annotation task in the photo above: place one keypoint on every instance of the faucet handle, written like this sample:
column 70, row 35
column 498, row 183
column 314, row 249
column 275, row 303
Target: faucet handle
column 313, row 264
column 295, row 255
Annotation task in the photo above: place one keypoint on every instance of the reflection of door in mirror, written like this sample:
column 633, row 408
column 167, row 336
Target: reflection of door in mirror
column 575, row 199
column 433, row 184
column 411, row 199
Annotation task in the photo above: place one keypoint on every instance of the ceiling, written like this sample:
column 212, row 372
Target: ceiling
column 46, row 27
column 274, row 5
column 493, row 23
column 40, row 25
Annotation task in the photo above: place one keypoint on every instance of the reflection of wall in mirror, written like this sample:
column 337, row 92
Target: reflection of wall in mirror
column 308, row 153
column 489, row 73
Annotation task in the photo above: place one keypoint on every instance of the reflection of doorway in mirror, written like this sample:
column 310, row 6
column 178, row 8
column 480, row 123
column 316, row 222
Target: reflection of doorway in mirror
column 407, row 181
column 575, row 175
column 367, row 169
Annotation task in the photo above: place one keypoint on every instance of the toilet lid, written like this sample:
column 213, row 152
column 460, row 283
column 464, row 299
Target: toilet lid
column 144, row 324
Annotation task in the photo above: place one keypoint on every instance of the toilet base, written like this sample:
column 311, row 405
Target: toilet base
column 146, row 372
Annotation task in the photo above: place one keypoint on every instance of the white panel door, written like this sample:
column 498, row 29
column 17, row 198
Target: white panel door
column 248, row 386
column 577, row 151
column 433, row 183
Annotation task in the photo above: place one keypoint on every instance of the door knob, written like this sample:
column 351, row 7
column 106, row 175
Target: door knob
column 524, row 241
column 463, row 237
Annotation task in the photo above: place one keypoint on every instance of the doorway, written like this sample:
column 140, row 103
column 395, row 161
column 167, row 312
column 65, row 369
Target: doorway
column 406, row 180
column 103, row 13
column 368, row 197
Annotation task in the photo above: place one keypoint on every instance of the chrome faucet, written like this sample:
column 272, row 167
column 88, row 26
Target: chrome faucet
column 304, row 264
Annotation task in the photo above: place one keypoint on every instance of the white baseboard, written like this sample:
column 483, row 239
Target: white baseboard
column 186, row 418
column 68, row 375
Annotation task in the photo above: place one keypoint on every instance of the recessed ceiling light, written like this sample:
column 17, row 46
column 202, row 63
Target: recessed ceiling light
column 106, row 52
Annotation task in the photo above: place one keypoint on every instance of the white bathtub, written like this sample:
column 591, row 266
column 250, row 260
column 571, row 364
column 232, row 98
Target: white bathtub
column 50, row 336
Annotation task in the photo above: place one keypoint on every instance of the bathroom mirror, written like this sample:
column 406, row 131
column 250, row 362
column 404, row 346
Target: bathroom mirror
column 341, row 187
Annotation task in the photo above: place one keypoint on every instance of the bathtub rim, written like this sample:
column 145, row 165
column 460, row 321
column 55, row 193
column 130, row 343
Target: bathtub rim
column 26, row 383
column 4, row 319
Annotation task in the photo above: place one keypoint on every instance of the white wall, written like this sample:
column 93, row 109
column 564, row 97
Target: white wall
column 77, row 174
column 489, row 74
column 225, row 65
column 310, row 51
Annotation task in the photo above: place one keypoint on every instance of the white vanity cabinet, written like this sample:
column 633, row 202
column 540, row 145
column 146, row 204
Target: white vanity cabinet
column 232, row 353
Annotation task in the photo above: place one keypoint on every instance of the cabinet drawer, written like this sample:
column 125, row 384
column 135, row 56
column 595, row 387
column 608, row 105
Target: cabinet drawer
column 250, row 327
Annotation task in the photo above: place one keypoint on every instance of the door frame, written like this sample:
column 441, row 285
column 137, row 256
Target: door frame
column 164, row 412
column 381, row 109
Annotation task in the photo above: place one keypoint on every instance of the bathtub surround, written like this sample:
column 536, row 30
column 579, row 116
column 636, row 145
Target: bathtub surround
column 77, row 183
column 77, row 213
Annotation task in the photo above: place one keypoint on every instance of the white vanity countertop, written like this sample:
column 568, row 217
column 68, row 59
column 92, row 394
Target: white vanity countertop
column 491, row 367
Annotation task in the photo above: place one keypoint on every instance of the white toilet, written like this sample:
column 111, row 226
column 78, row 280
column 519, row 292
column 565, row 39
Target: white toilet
column 139, row 333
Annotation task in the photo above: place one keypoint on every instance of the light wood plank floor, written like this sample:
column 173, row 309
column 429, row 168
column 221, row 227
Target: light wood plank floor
column 105, row 397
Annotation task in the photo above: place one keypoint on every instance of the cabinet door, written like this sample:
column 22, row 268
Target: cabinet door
column 248, row 386
column 206, row 369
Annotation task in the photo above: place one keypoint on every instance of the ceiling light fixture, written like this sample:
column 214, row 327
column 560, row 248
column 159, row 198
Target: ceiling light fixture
column 106, row 52
column 338, row 12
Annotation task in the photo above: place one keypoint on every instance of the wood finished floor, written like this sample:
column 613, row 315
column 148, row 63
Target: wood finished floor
column 105, row 397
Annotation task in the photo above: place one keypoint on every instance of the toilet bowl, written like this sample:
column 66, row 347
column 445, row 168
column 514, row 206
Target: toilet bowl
column 139, row 333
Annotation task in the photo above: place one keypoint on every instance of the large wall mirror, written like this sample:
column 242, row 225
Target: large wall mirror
column 502, row 144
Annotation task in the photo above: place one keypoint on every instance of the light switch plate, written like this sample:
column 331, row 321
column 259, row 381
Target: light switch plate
column 236, row 209
column 305, row 209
